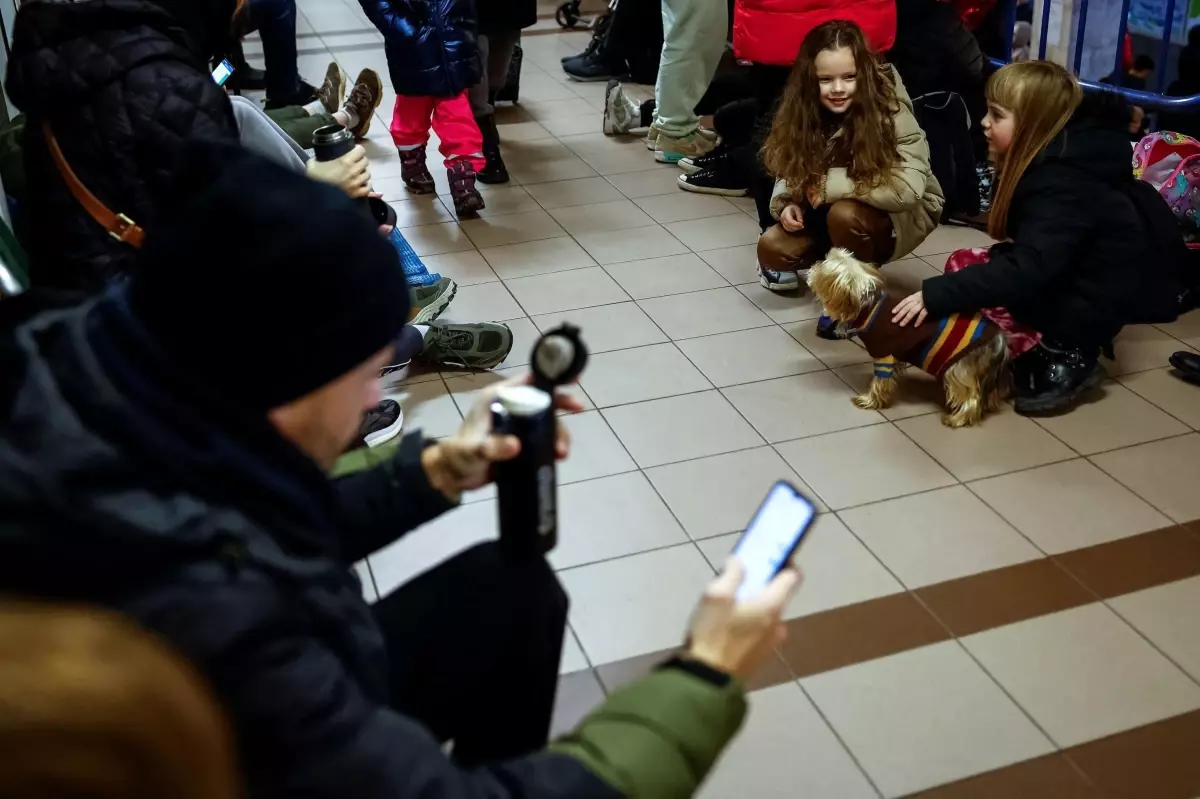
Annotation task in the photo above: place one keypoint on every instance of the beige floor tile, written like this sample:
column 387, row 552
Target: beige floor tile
column 658, row 277
column 573, row 658
column 924, row 717
column 570, row 126
column 1166, row 614
column 869, row 464
column 499, row 201
column 607, row 327
column 838, row 570
column 595, row 449
column 427, row 546
column 628, row 159
column 637, row 604
column 436, row 239
column 428, row 407
column 537, row 257
column 1083, row 673
column 655, row 180
column 719, row 495
column 521, row 131
column 717, row 232
column 566, row 291
column 919, row 393
column 947, row 238
column 939, row 535
column 786, row 750
column 736, row 264
column 466, row 268
column 834, row 354
column 681, row 428
column 1164, row 473
column 611, row 517
column 634, row 244
column 794, row 306
column 745, row 356
column 1186, row 328
column 1003, row 442
column 680, row 206
column 1160, row 386
column 704, row 313
column 1111, row 416
column 644, row 373
column 551, row 169
column 904, row 276
column 421, row 211
column 485, row 302
column 497, row 231
column 1068, row 505
column 1141, row 347
column 600, row 217
column 799, row 406
column 567, row 193
column 464, row 386
column 598, row 143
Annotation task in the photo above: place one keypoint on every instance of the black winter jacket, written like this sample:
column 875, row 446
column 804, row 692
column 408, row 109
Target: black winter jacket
column 122, row 486
column 1082, row 262
column 502, row 16
column 430, row 44
column 123, row 83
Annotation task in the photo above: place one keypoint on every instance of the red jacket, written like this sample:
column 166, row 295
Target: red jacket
column 770, row 31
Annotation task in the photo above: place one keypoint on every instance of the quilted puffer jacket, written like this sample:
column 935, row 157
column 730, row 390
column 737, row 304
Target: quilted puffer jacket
column 123, row 83
column 770, row 31
column 430, row 44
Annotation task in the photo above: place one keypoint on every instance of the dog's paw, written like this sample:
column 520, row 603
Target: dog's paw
column 868, row 402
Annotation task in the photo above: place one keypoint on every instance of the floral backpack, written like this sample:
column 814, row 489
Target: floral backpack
column 1170, row 162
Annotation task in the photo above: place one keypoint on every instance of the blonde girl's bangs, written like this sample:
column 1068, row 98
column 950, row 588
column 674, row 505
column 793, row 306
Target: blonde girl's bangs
column 1004, row 89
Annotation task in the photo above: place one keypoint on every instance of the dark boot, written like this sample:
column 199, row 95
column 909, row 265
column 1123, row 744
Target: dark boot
column 467, row 200
column 1054, row 377
column 495, row 171
column 1187, row 365
column 414, row 171
column 245, row 78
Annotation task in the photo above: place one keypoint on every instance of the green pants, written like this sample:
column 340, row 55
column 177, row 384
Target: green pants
column 297, row 124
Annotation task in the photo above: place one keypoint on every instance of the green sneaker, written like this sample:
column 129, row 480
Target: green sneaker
column 483, row 345
column 428, row 302
column 669, row 150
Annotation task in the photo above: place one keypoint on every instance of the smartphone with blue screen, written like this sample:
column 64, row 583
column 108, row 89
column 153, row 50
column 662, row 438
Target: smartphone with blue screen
column 222, row 72
column 773, row 536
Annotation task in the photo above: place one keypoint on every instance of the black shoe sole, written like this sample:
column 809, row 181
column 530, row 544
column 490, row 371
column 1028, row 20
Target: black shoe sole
column 1184, row 371
column 492, row 180
column 1037, row 406
column 711, row 190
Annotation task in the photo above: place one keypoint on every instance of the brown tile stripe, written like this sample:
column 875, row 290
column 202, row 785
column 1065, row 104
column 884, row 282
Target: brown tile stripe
column 1158, row 761
column 896, row 623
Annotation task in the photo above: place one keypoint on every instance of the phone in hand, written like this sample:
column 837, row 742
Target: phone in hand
column 222, row 72
column 773, row 536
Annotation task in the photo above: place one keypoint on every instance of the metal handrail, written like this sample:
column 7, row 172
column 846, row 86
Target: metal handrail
column 1150, row 101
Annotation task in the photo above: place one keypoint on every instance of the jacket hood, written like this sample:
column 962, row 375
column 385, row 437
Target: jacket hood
column 111, row 469
column 63, row 51
column 1101, row 152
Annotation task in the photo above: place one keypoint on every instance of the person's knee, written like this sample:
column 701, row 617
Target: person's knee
column 846, row 221
column 776, row 250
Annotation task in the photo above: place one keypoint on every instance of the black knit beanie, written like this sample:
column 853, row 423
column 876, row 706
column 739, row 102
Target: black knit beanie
column 267, row 285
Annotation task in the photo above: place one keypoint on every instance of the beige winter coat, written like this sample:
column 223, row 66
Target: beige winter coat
column 913, row 198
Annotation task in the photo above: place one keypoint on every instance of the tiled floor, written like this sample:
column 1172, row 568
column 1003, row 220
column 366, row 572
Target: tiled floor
column 1000, row 611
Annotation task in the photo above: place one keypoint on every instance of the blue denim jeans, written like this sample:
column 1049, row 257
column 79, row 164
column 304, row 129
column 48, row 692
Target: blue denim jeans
column 275, row 21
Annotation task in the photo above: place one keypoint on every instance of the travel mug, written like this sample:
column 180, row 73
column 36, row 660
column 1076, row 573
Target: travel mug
column 331, row 143
column 527, row 485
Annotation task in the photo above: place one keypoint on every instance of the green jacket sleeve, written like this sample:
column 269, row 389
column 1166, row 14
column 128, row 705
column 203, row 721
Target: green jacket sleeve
column 659, row 737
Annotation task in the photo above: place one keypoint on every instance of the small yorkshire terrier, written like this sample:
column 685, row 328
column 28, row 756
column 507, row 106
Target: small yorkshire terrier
column 967, row 354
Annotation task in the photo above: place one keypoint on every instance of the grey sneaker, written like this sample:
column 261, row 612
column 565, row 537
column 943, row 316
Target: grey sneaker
column 778, row 281
column 483, row 345
column 430, row 301
column 652, row 137
column 621, row 114
column 381, row 424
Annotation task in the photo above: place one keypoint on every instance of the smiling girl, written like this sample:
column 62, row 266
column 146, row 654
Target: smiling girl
column 851, row 162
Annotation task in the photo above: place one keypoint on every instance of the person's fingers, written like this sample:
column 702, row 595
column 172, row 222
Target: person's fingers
column 729, row 579
column 565, row 402
column 921, row 317
column 562, row 444
column 499, row 448
column 778, row 592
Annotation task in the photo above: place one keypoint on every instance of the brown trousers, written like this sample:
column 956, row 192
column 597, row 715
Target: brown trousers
column 863, row 230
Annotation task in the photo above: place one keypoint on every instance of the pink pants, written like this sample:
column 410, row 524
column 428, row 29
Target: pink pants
column 451, row 120
column 1020, row 338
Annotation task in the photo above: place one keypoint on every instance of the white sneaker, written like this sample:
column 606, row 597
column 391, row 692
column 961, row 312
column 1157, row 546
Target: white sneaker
column 621, row 114
column 778, row 281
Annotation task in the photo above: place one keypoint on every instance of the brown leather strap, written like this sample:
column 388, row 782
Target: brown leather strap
column 119, row 226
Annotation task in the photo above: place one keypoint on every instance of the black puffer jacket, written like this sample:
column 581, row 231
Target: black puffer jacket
column 1083, row 261
column 501, row 16
column 430, row 44
column 123, row 83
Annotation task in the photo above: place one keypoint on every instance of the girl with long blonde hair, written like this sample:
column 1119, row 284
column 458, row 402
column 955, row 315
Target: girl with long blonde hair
column 1065, row 277
column 850, row 160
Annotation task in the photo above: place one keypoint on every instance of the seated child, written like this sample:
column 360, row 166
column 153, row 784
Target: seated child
column 851, row 161
column 433, row 60
column 1079, row 259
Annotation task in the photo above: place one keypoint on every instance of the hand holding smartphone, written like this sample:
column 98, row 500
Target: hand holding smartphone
column 773, row 536
column 222, row 72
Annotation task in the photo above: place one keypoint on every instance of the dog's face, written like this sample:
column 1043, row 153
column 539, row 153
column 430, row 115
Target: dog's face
column 844, row 284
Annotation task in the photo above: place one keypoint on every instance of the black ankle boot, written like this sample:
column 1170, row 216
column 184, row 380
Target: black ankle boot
column 495, row 171
column 1054, row 376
